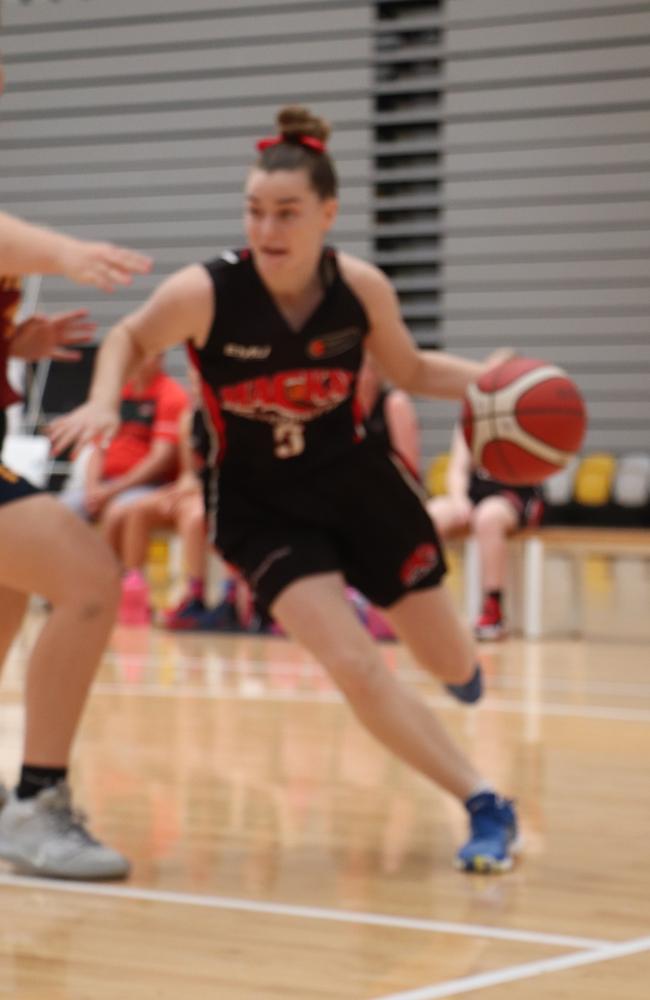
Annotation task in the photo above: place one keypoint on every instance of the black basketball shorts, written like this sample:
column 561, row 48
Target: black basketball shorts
column 362, row 515
column 526, row 501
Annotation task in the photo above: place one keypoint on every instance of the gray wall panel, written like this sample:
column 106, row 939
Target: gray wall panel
column 459, row 11
column 521, row 31
column 469, row 73
column 136, row 120
column 129, row 122
column 212, row 25
column 567, row 126
column 97, row 69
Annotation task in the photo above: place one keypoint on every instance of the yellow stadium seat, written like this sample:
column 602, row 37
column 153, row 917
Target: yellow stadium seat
column 436, row 477
column 595, row 479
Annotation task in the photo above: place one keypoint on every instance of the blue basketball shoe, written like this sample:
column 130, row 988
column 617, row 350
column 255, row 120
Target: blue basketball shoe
column 494, row 838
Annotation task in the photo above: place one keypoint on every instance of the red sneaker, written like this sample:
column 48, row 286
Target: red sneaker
column 490, row 624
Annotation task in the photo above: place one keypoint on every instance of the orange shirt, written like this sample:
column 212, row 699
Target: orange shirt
column 151, row 413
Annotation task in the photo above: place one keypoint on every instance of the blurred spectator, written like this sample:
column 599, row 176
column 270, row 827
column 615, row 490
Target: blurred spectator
column 142, row 455
column 492, row 511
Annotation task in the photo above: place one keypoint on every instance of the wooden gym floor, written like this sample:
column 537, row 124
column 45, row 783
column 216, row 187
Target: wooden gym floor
column 279, row 853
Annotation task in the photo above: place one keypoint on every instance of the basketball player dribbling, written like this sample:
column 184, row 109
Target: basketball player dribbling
column 301, row 500
column 45, row 549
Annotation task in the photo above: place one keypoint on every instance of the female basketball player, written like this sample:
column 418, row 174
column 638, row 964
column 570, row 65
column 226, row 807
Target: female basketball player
column 45, row 549
column 305, row 500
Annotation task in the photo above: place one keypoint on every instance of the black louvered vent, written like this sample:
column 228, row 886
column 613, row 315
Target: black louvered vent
column 407, row 155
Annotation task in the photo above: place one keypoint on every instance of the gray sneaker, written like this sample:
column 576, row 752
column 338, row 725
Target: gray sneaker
column 46, row 835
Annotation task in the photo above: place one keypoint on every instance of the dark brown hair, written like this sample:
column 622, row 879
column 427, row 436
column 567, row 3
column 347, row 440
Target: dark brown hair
column 294, row 122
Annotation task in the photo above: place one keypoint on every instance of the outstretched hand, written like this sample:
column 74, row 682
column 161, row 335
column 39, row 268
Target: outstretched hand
column 103, row 265
column 90, row 423
column 52, row 336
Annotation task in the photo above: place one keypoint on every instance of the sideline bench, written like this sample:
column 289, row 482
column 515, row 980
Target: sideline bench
column 529, row 547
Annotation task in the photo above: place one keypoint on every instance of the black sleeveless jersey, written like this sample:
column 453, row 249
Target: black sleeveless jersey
column 281, row 402
column 375, row 421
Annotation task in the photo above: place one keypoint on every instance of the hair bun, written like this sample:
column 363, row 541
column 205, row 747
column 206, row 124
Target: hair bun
column 295, row 120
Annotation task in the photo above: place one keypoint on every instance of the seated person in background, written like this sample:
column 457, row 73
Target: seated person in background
column 390, row 419
column 143, row 453
column 492, row 511
column 180, row 507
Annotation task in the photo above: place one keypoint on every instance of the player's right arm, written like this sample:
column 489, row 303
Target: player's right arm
column 180, row 309
column 30, row 249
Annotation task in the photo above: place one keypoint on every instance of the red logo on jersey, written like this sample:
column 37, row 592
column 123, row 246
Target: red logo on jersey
column 334, row 343
column 420, row 562
column 302, row 395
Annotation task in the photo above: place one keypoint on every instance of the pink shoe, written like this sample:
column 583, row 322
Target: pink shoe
column 134, row 602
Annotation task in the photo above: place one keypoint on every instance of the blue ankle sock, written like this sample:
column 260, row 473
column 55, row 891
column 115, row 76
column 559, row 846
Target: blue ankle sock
column 470, row 692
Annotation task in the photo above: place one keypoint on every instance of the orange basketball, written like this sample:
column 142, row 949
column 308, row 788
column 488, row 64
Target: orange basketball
column 523, row 420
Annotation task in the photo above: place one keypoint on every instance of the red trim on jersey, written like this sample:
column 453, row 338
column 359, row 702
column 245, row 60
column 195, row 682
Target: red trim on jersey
column 357, row 413
column 212, row 404
column 405, row 462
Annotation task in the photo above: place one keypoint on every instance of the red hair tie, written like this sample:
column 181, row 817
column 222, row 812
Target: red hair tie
column 303, row 140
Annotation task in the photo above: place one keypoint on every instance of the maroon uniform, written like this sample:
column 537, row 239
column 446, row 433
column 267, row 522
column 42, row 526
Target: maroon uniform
column 12, row 486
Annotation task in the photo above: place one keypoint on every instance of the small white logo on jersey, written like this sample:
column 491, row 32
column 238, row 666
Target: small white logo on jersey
column 246, row 353
column 230, row 257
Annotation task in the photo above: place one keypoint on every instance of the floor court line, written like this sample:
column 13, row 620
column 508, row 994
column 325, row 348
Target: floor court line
column 252, row 693
column 220, row 665
column 529, row 970
column 304, row 912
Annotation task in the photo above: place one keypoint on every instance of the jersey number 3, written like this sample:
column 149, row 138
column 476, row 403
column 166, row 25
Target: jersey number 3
column 289, row 438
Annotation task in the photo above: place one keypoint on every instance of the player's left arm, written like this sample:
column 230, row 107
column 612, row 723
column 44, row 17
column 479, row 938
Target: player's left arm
column 403, row 427
column 426, row 373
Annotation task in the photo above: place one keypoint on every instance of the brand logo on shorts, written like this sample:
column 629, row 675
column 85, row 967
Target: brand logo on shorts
column 335, row 343
column 418, row 564
column 244, row 352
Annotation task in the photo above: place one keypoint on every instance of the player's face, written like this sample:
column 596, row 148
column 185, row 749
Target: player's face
column 286, row 221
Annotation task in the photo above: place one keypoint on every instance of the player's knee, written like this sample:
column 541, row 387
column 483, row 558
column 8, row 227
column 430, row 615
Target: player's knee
column 487, row 521
column 93, row 587
column 357, row 674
